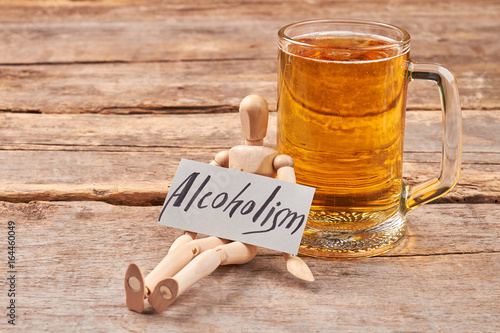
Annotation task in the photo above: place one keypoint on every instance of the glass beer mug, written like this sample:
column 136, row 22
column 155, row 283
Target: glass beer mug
column 342, row 88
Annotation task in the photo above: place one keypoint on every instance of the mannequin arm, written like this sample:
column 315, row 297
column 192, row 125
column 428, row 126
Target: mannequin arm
column 221, row 159
column 287, row 174
column 283, row 164
column 295, row 265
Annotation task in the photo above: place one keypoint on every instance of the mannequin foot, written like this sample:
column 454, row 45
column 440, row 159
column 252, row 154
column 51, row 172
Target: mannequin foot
column 134, row 288
column 164, row 294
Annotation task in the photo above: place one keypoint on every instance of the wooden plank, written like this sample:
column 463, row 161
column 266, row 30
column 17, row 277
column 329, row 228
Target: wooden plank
column 77, row 31
column 156, row 132
column 130, row 178
column 167, row 78
column 174, row 39
column 136, row 88
column 193, row 86
column 132, row 159
column 71, row 258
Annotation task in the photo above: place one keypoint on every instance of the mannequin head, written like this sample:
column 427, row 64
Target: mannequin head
column 254, row 114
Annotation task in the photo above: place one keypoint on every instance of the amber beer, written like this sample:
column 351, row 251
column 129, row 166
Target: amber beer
column 341, row 107
column 341, row 116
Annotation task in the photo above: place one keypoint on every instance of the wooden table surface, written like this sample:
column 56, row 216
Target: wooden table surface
column 99, row 101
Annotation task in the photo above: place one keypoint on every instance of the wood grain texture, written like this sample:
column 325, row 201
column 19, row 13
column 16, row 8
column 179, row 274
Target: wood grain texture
column 151, row 56
column 87, row 31
column 115, row 133
column 132, row 159
column 187, row 86
column 99, row 101
column 72, row 257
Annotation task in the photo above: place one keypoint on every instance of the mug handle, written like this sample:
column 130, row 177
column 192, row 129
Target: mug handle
column 420, row 194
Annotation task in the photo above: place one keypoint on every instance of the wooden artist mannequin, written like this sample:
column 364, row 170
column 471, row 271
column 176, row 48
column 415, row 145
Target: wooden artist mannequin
column 190, row 259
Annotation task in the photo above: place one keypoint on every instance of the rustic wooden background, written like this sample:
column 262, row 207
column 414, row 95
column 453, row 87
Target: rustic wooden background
column 99, row 100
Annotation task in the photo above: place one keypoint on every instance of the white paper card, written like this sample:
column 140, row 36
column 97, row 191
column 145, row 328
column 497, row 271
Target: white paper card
column 237, row 205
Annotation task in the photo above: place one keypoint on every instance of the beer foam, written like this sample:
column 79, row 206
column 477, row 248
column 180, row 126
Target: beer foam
column 345, row 47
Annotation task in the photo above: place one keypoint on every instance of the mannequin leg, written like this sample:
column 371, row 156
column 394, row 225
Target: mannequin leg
column 135, row 290
column 167, row 290
column 176, row 259
column 181, row 240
